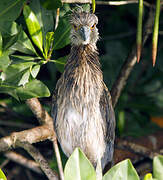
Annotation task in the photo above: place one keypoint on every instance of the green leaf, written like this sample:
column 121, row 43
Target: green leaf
column 2, row 176
column 78, row 167
column 155, row 32
column 10, row 41
column 33, row 27
column 9, row 28
column 148, row 177
column 4, row 61
column 1, row 44
column 62, row 33
column 24, row 44
column 25, row 78
column 10, row 9
column 122, row 170
column 60, row 63
column 51, row 4
column 49, row 42
column 25, row 58
column 14, row 73
column 9, row 89
column 158, row 167
column 35, row 71
column 34, row 88
column 44, row 16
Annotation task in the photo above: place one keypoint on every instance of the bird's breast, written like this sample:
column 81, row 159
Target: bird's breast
column 81, row 129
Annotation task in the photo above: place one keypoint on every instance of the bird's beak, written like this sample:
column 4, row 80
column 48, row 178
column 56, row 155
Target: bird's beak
column 85, row 33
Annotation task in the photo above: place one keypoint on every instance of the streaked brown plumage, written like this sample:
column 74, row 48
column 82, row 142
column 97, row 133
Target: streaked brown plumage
column 82, row 108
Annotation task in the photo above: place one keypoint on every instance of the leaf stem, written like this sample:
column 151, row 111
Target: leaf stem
column 155, row 33
column 139, row 30
column 93, row 6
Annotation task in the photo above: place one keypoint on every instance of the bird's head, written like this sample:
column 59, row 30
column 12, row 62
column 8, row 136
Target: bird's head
column 84, row 30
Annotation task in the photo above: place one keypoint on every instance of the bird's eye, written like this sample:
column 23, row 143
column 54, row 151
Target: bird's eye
column 92, row 27
column 75, row 27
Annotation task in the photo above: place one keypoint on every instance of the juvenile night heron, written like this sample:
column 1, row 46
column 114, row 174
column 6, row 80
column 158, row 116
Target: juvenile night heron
column 82, row 107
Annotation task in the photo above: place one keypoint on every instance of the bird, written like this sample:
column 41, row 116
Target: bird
column 81, row 105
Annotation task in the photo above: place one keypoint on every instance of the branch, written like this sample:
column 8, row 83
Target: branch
column 30, row 164
column 39, row 111
column 40, row 160
column 138, row 149
column 130, row 62
column 30, row 136
column 112, row 3
column 24, row 139
column 45, row 118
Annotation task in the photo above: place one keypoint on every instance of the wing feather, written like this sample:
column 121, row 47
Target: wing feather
column 54, row 108
column 108, row 117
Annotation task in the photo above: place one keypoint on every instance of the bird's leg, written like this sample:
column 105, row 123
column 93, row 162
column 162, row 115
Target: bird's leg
column 99, row 170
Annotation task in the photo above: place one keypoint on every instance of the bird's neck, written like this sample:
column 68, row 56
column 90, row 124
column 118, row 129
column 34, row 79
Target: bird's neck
column 83, row 72
column 84, row 57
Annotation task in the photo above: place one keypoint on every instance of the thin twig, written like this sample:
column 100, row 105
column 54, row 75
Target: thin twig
column 4, row 163
column 144, row 167
column 40, row 160
column 130, row 62
column 14, row 172
column 29, row 175
column 30, row 164
column 15, row 124
column 59, row 162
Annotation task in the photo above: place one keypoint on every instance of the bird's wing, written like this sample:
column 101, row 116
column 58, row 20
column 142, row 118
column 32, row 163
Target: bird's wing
column 54, row 106
column 108, row 117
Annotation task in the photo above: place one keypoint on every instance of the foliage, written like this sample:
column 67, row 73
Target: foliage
column 155, row 32
column 22, row 53
column 158, row 167
column 2, row 176
column 79, row 167
column 123, row 170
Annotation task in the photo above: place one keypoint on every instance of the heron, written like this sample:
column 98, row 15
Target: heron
column 81, row 105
